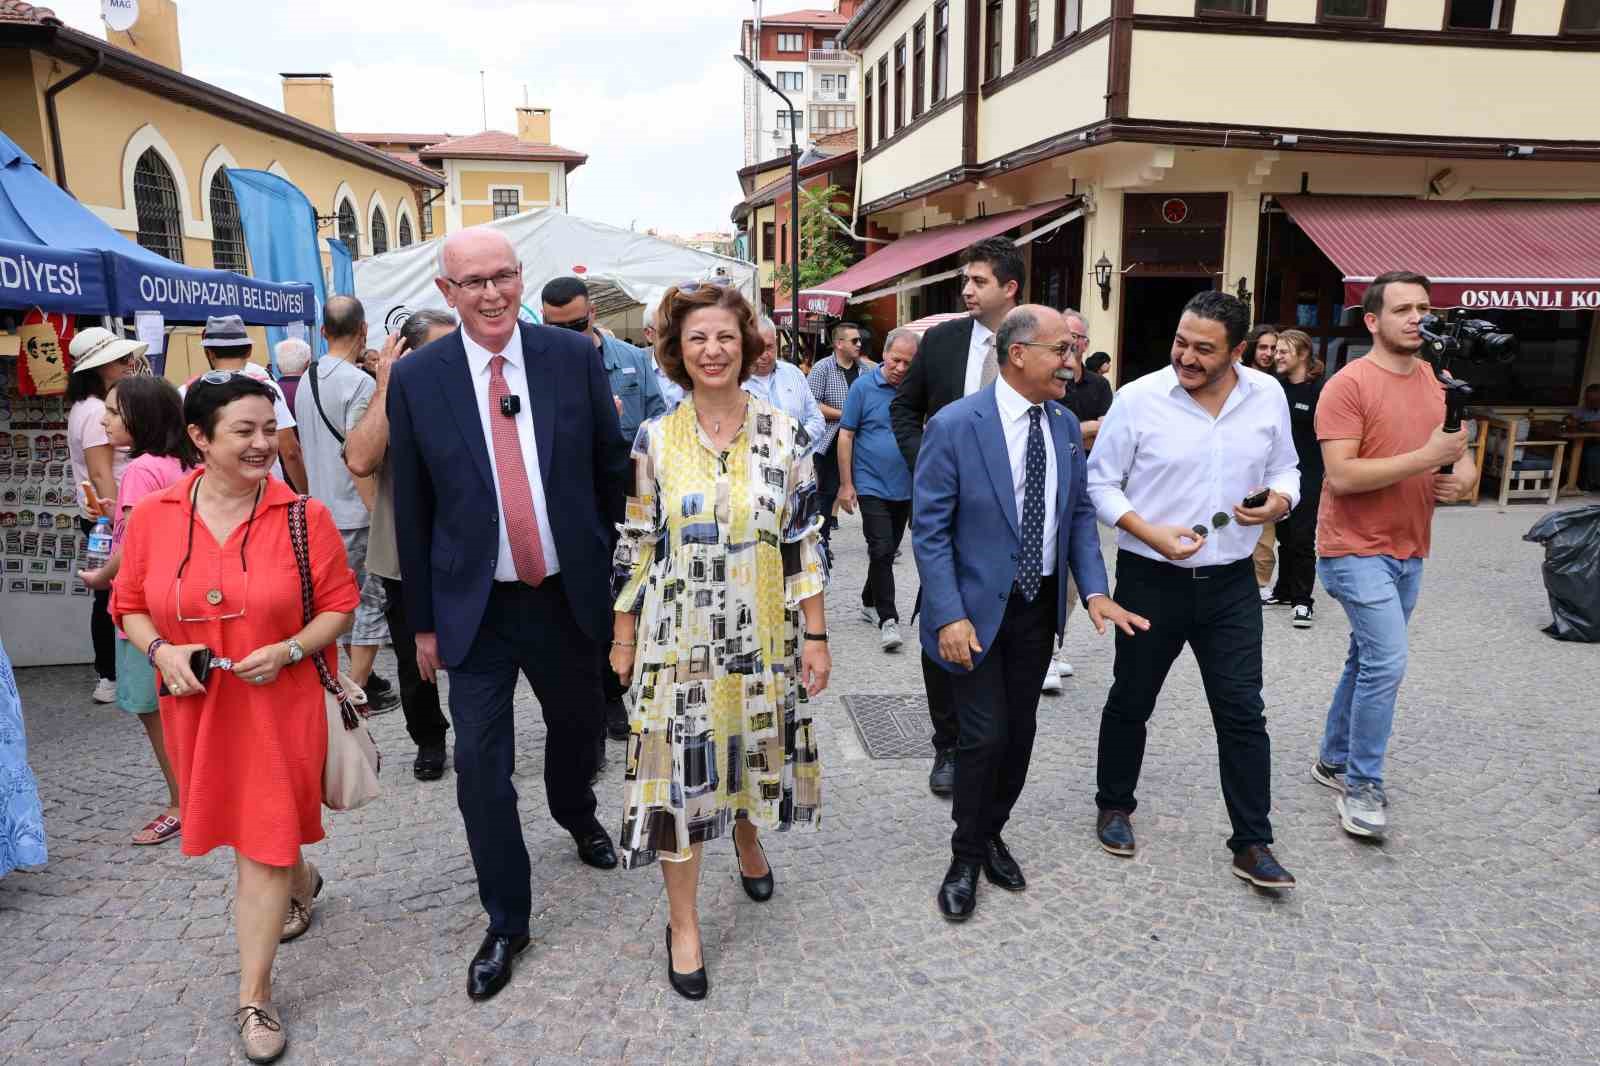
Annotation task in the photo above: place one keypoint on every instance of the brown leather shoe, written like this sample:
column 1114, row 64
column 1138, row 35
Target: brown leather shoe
column 260, row 1031
column 1256, row 865
column 298, row 920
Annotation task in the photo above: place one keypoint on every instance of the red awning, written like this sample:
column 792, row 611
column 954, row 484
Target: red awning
column 910, row 252
column 1541, row 255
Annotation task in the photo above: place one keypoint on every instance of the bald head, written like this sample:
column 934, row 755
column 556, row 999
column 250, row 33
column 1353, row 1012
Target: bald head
column 481, row 280
column 344, row 318
column 472, row 243
column 1034, row 349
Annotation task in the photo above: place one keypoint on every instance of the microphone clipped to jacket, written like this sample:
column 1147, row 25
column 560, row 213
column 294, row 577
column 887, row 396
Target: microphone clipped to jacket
column 510, row 405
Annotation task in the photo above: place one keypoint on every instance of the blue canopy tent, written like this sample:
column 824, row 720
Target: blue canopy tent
column 42, row 222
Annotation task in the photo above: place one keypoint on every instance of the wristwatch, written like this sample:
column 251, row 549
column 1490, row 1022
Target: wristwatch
column 296, row 652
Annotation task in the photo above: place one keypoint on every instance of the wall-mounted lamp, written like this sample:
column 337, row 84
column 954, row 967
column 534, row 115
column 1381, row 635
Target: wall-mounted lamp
column 1242, row 290
column 1102, row 278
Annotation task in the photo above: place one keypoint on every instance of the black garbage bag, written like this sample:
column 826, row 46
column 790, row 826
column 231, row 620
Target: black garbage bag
column 1571, row 542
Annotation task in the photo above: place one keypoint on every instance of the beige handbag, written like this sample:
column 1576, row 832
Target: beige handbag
column 350, row 771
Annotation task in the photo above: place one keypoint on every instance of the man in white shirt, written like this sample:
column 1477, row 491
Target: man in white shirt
column 1177, row 455
column 784, row 385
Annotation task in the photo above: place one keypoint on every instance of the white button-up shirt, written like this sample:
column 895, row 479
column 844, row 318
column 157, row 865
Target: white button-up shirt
column 787, row 389
column 1016, row 423
column 1160, row 454
column 977, row 348
column 517, row 381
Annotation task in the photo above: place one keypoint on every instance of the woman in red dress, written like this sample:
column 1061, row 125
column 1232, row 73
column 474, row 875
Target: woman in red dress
column 207, row 564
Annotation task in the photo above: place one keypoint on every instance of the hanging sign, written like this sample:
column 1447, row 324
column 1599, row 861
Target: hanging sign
column 45, row 363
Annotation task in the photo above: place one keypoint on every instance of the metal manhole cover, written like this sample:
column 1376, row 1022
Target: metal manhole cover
column 892, row 726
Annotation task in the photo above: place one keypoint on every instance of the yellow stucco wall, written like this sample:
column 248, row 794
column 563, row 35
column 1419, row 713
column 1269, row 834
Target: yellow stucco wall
column 22, row 109
column 475, row 184
column 1065, row 95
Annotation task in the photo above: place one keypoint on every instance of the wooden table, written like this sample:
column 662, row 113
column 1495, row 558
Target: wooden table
column 1575, row 439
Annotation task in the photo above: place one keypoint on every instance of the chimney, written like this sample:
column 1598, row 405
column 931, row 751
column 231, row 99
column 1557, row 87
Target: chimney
column 154, row 35
column 533, row 125
column 309, row 97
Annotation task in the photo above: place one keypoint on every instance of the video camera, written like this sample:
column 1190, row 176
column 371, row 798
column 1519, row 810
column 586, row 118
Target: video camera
column 1473, row 340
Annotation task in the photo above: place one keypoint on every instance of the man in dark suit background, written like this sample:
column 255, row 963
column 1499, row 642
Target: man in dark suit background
column 1002, row 518
column 509, row 470
column 956, row 359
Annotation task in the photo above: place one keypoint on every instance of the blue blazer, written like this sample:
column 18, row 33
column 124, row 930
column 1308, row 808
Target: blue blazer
column 964, row 526
column 447, row 518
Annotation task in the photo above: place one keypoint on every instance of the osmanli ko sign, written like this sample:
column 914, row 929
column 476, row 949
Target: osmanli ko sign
column 1502, row 294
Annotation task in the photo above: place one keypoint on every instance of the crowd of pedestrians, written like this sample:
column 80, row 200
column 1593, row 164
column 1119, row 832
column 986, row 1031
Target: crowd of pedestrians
column 644, row 536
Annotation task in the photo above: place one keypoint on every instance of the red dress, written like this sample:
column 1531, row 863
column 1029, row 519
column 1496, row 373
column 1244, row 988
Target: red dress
column 248, row 757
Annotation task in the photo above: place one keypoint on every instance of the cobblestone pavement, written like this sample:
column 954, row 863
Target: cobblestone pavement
column 1469, row 937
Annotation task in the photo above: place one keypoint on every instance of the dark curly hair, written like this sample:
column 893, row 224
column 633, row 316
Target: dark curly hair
column 676, row 306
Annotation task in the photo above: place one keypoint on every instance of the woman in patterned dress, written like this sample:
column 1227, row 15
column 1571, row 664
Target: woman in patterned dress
column 21, row 819
column 719, row 619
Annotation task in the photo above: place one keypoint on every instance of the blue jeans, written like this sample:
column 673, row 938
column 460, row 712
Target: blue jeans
column 1377, row 593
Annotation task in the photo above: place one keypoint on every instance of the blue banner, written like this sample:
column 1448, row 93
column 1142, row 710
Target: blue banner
column 184, row 294
column 344, row 270
column 280, row 232
column 55, row 279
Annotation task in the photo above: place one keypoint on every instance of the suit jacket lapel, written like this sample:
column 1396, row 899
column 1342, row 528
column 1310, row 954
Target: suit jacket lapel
column 541, row 398
column 992, row 446
column 1064, row 446
column 461, row 395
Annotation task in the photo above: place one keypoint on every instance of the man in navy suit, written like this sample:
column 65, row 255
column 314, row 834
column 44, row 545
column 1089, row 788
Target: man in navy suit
column 509, row 472
column 1002, row 516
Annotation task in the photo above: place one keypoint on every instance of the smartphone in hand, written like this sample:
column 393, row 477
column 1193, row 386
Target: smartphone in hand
column 1256, row 499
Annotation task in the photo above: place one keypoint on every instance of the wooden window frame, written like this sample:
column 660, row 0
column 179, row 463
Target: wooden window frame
column 769, row 237
column 778, row 45
column 919, row 68
column 1508, row 15
column 1061, row 32
column 883, row 99
column 425, row 221
column 1566, row 28
column 1028, row 35
column 867, row 101
column 495, row 204
column 994, row 21
column 939, row 61
column 1377, row 12
column 1258, row 12
column 901, row 56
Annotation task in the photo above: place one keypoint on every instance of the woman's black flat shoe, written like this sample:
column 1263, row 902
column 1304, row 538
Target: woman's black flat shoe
column 688, row 985
column 757, row 888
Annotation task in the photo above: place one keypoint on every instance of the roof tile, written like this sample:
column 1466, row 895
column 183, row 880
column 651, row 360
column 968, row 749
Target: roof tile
column 496, row 144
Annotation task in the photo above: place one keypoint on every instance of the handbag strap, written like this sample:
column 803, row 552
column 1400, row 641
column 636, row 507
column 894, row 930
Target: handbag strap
column 302, row 560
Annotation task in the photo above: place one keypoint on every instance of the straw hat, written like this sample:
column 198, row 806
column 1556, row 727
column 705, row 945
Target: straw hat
column 95, row 346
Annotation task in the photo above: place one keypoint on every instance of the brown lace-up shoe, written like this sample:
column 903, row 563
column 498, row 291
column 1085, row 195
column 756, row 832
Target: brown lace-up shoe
column 260, row 1031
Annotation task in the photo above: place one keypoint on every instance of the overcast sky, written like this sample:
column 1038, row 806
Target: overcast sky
column 647, row 88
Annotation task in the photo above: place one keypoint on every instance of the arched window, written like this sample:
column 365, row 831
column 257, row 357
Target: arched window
column 155, row 201
column 405, row 231
column 380, row 233
column 348, row 233
column 227, row 235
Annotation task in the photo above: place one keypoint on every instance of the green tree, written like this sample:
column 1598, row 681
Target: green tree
column 825, row 250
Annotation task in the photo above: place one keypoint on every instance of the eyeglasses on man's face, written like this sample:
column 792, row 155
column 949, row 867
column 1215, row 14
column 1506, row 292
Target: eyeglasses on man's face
column 505, row 281
column 1061, row 349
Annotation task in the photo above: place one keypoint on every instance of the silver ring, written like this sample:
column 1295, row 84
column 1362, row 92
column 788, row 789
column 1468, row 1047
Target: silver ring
column 259, row 680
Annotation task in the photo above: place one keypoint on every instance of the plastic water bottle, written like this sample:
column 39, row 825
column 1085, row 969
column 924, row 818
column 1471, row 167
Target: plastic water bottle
column 99, row 550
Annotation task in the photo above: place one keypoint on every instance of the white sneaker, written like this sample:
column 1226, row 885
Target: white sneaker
column 1052, row 678
column 1064, row 667
column 889, row 635
column 1302, row 616
column 1266, row 593
column 105, row 691
column 869, row 615
column 1361, row 811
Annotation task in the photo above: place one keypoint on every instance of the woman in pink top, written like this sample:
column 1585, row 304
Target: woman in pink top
column 144, row 415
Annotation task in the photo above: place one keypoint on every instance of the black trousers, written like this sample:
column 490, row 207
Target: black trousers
column 1297, row 546
column 883, row 522
column 102, row 631
column 826, row 464
column 530, row 631
column 1217, row 612
column 419, row 699
column 997, row 705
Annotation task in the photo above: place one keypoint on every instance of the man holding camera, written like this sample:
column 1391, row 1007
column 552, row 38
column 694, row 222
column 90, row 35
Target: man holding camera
column 1381, row 425
column 1190, row 462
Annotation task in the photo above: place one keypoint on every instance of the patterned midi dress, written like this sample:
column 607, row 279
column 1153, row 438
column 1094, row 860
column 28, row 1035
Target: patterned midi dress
column 717, row 552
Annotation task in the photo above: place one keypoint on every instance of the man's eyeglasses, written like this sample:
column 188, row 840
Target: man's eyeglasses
column 505, row 281
column 854, row 341
column 1062, row 350
column 1220, row 520
column 1081, row 338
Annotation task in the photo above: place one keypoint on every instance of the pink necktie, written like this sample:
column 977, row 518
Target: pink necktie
column 516, row 496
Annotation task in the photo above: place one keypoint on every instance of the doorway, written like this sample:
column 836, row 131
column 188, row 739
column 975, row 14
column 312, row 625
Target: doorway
column 1151, row 308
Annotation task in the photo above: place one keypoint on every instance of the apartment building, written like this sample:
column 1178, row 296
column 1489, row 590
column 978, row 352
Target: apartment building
column 799, row 51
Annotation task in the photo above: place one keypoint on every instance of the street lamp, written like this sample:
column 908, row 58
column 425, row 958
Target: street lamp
column 1102, row 278
column 794, row 194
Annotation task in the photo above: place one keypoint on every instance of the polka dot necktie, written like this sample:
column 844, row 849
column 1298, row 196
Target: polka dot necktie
column 1032, row 560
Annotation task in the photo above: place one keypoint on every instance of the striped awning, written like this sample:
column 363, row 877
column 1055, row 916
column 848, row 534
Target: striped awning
column 1541, row 255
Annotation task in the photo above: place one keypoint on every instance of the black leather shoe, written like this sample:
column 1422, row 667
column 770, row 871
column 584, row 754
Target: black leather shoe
column 616, row 720
column 942, row 778
column 1115, row 833
column 688, row 985
column 430, row 762
column 958, row 895
column 1256, row 865
column 378, row 684
column 1001, row 869
column 491, row 966
column 594, row 848
column 757, row 888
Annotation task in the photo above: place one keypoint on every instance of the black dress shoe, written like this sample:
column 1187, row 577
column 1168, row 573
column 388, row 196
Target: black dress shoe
column 1256, row 865
column 942, row 778
column 1115, row 833
column 1001, row 869
column 757, row 888
column 616, row 720
column 430, row 762
column 378, row 684
column 958, row 895
column 595, row 848
column 491, row 966
column 688, row 985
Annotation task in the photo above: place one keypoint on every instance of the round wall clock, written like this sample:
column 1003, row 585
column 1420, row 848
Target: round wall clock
column 1174, row 210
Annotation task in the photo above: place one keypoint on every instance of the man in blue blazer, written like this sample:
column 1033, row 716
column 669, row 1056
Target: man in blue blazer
column 509, row 476
column 1001, row 516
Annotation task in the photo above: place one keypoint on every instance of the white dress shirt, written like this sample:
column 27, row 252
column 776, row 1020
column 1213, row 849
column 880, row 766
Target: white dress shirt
column 787, row 389
column 517, row 381
column 977, row 348
column 1016, row 423
column 1159, row 453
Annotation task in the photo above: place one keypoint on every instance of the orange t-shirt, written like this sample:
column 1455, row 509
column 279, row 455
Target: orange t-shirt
column 1390, row 414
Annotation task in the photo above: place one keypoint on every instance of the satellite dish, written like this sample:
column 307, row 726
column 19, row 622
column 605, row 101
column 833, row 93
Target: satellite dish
column 119, row 15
